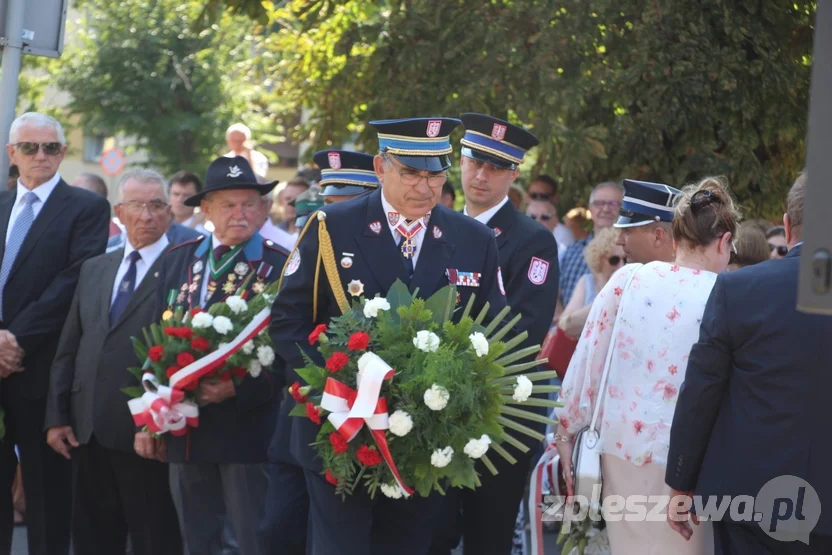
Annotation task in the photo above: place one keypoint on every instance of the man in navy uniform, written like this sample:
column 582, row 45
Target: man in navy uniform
column 345, row 174
column 395, row 232
column 219, row 468
column 492, row 151
column 644, row 220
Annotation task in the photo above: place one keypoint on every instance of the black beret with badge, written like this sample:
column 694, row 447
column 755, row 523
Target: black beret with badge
column 229, row 173
column 494, row 141
column 646, row 203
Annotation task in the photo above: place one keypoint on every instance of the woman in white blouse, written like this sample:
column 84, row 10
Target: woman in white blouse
column 659, row 322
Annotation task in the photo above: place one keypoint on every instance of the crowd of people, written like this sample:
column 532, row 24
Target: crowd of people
column 640, row 277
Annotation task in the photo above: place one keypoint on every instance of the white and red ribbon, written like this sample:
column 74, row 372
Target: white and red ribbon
column 350, row 410
column 546, row 467
column 163, row 408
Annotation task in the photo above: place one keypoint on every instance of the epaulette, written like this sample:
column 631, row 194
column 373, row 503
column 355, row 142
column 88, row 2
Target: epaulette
column 191, row 242
column 269, row 244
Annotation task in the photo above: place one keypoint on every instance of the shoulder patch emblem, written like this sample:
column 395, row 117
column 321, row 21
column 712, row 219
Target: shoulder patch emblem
column 538, row 270
column 293, row 264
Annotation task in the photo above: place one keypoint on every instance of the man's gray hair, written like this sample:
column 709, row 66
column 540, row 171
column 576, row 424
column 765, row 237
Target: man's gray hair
column 241, row 128
column 38, row 121
column 143, row 176
column 606, row 185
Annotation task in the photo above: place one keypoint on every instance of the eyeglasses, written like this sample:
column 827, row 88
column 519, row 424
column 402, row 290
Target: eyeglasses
column 782, row 250
column 155, row 207
column 27, row 148
column 614, row 204
column 544, row 217
column 539, row 196
column 615, row 260
column 734, row 258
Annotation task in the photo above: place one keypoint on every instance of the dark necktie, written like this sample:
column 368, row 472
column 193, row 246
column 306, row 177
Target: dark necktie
column 221, row 251
column 125, row 288
column 407, row 248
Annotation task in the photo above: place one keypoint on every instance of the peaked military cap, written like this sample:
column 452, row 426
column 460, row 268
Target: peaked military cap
column 345, row 173
column 497, row 142
column 419, row 143
column 645, row 203
column 306, row 204
column 229, row 173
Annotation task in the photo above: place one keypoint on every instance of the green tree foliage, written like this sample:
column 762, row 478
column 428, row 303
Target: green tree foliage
column 665, row 90
column 148, row 69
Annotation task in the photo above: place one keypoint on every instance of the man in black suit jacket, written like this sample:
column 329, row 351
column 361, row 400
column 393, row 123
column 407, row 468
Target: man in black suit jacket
column 492, row 151
column 219, row 469
column 116, row 490
column 753, row 406
column 374, row 237
column 48, row 230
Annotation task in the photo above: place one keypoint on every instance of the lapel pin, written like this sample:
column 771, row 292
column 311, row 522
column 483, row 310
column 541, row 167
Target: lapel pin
column 437, row 233
column 497, row 231
column 155, row 274
column 375, row 227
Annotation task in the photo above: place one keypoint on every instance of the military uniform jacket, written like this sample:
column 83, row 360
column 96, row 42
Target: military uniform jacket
column 239, row 429
column 365, row 250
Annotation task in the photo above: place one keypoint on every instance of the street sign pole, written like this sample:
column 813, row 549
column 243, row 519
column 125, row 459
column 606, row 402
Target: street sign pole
column 12, row 49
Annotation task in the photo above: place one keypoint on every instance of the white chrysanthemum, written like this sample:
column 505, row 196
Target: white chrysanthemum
column 400, row 423
column 523, row 389
column 442, row 457
column 372, row 306
column 236, row 304
column 248, row 348
column 480, row 343
column 222, row 324
column 476, row 448
column 254, row 368
column 436, row 398
column 265, row 355
column 426, row 341
column 202, row 320
column 393, row 491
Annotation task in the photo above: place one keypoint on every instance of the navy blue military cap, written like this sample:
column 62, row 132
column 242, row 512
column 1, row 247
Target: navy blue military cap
column 645, row 203
column 420, row 143
column 306, row 204
column 345, row 173
column 497, row 142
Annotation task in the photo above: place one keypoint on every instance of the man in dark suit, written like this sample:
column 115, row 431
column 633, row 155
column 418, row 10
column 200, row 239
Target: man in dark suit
column 116, row 490
column 753, row 406
column 219, row 469
column 395, row 232
column 492, row 151
column 49, row 229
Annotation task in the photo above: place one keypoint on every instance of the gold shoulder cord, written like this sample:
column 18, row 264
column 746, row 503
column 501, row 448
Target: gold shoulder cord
column 325, row 254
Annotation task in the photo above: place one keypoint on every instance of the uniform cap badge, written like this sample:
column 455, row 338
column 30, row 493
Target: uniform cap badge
column 234, row 171
column 334, row 160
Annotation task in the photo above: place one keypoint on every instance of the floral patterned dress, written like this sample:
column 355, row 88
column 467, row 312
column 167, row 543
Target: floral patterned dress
column 659, row 323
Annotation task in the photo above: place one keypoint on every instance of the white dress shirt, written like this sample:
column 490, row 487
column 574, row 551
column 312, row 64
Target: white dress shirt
column 486, row 216
column 278, row 235
column 418, row 239
column 42, row 192
column 149, row 254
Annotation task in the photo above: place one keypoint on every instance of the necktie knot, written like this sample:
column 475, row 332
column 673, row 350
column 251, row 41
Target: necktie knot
column 134, row 257
column 221, row 251
column 30, row 198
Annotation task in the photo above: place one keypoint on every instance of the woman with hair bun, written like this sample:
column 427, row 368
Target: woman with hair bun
column 649, row 316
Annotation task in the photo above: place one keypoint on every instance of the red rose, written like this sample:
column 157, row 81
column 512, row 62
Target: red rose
column 171, row 371
column 337, row 361
column 195, row 311
column 358, row 341
column 184, row 359
column 314, row 413
column 316, row 333
column 294, row 390
column 156, row 353
column 200, row 344
column 339, row 444
column 225, row 376
column 240, row 373
column 368, row 456
column 330, row 477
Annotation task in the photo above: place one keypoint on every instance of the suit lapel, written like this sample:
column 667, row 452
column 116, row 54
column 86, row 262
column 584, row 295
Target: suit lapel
column 435, row 255
column 378, row 247
column 108, row 269
column 149, row 284
column 502, row 221
column 55, row 204
column 6, row 205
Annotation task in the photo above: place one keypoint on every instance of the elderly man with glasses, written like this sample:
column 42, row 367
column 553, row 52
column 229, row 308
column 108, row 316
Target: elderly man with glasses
column 49, row 230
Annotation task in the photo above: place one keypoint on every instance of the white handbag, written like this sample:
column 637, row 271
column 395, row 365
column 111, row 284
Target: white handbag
column 586, row 455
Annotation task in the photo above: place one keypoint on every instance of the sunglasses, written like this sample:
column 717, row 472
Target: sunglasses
column 782, row 250
column 28, row 148
column 544, row 217
column 539, row 196
column 615, row 260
